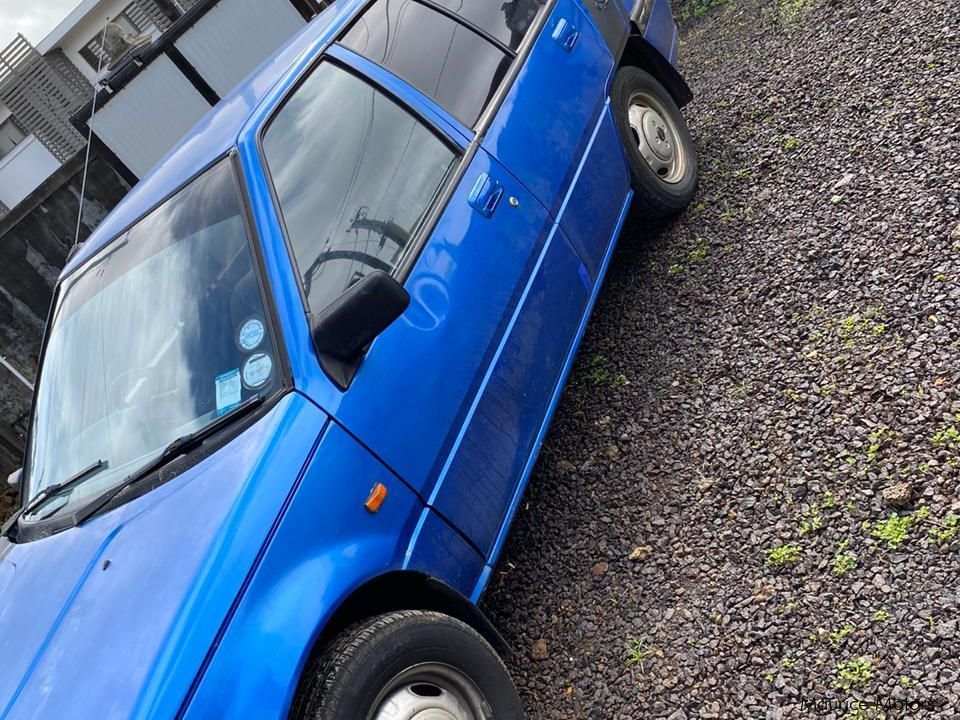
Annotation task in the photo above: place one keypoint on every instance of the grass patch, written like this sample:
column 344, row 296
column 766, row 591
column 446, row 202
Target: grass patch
column 600, row 374
column 844, row 562
column 948, row 437
column 698, row 8
column 853, row 673
column 699, row 253
column 947, row 529
column 783, row 555
column 790, row 10
column 638, row 652
column 791, row 143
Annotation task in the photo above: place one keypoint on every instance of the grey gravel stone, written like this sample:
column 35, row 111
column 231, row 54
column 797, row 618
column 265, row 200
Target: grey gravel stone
column 800, row 365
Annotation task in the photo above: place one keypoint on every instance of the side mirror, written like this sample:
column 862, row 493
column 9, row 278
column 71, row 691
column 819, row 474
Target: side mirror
column 13, row 479
column 342, row 332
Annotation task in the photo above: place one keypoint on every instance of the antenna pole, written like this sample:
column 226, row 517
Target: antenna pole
column 93, row 111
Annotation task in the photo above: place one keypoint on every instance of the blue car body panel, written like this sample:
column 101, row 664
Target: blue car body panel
column 117, row 615
column 203, row 597
column 325, row 535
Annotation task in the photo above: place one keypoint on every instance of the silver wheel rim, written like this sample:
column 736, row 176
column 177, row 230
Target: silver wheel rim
column 431, row 691
column 657, row 137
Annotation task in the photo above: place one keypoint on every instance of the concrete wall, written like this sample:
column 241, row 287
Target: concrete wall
column 34, row 242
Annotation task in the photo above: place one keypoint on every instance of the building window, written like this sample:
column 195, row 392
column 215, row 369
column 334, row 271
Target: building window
column 120, row 29
column 10, row 136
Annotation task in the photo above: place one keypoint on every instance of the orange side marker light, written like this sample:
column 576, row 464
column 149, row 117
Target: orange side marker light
column 377, row 495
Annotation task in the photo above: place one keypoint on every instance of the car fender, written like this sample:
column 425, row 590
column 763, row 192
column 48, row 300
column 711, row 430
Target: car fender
column 326, row 549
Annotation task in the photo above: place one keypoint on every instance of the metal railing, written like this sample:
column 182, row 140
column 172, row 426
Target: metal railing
column 41, row 91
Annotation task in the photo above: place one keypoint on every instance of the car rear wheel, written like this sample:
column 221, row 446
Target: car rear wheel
column 663, row 162
column 409, row 665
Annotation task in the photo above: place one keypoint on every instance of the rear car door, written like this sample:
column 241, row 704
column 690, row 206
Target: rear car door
column 555, row 132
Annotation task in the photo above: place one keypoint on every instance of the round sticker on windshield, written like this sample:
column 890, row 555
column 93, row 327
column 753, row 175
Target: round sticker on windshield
column 251, row 334
column 256, row 370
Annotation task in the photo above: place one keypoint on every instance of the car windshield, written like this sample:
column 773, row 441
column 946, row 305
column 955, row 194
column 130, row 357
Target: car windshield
column 154, row 338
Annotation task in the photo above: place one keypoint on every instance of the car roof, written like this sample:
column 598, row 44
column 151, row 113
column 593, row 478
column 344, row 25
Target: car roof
column 216, row 133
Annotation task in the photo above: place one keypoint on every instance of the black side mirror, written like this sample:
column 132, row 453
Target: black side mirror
column 344, row 330
column 13, row 479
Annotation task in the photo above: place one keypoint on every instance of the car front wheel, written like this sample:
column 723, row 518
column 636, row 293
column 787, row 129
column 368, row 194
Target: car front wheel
column 406, row 666
column 663, row 162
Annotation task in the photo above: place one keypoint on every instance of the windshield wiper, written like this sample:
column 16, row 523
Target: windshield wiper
column 180, row 446
column 54, row 490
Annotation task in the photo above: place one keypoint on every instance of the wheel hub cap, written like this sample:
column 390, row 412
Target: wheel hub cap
column 656, row 138
column 431, row 691
column 657, row 135
column 422, row 701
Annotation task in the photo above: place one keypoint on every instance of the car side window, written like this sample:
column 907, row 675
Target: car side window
column 444, row 59
column 354, row 174
column 507, row 22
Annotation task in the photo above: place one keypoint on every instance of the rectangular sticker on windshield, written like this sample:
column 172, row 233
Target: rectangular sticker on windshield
column 228, row 391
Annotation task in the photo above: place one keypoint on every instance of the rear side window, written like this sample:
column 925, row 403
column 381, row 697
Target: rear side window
column 444, row 59
column 506, row 22
column 355, row 174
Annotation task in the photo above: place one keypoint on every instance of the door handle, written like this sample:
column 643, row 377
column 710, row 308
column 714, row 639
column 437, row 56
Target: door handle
column 486, row 195
column 566, row 34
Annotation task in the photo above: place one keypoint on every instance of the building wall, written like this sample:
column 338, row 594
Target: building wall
column 23, row 169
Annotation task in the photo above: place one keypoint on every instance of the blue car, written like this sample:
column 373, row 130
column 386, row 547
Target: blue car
column 293, row 387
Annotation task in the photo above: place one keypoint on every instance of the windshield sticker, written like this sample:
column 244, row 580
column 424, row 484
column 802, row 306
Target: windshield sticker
column 228, row 391
column 256, row 370
column 251, row 334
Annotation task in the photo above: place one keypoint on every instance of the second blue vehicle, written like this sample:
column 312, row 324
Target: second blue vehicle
column 293, row 387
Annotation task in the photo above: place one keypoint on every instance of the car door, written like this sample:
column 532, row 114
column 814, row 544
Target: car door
column 555, row 132
column 454, row 395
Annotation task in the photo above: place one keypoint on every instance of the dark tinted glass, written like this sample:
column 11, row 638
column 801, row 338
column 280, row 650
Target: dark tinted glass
column 507, row 21
column 441, row 58
column 354, row 173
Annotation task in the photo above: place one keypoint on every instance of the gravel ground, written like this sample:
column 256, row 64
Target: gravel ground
column 707, row 533
column 755, row 377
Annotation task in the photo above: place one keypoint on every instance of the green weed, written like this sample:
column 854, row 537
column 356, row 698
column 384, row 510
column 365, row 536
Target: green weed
column 638, row 652
column 844, row 563
column 838, row 636
column 893, row 531
column 783, row 555
column 853, row 673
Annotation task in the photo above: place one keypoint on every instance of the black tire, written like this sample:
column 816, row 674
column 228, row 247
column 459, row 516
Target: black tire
column 354, row 675
column 655, row 197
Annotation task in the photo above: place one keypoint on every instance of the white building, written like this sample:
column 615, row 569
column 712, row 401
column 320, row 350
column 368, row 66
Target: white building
column 164, row 63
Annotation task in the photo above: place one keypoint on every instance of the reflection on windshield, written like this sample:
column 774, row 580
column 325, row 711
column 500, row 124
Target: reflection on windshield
column 159, row 335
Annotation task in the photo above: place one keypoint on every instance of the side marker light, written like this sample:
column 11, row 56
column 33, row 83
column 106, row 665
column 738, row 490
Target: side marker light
column 377, row 495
